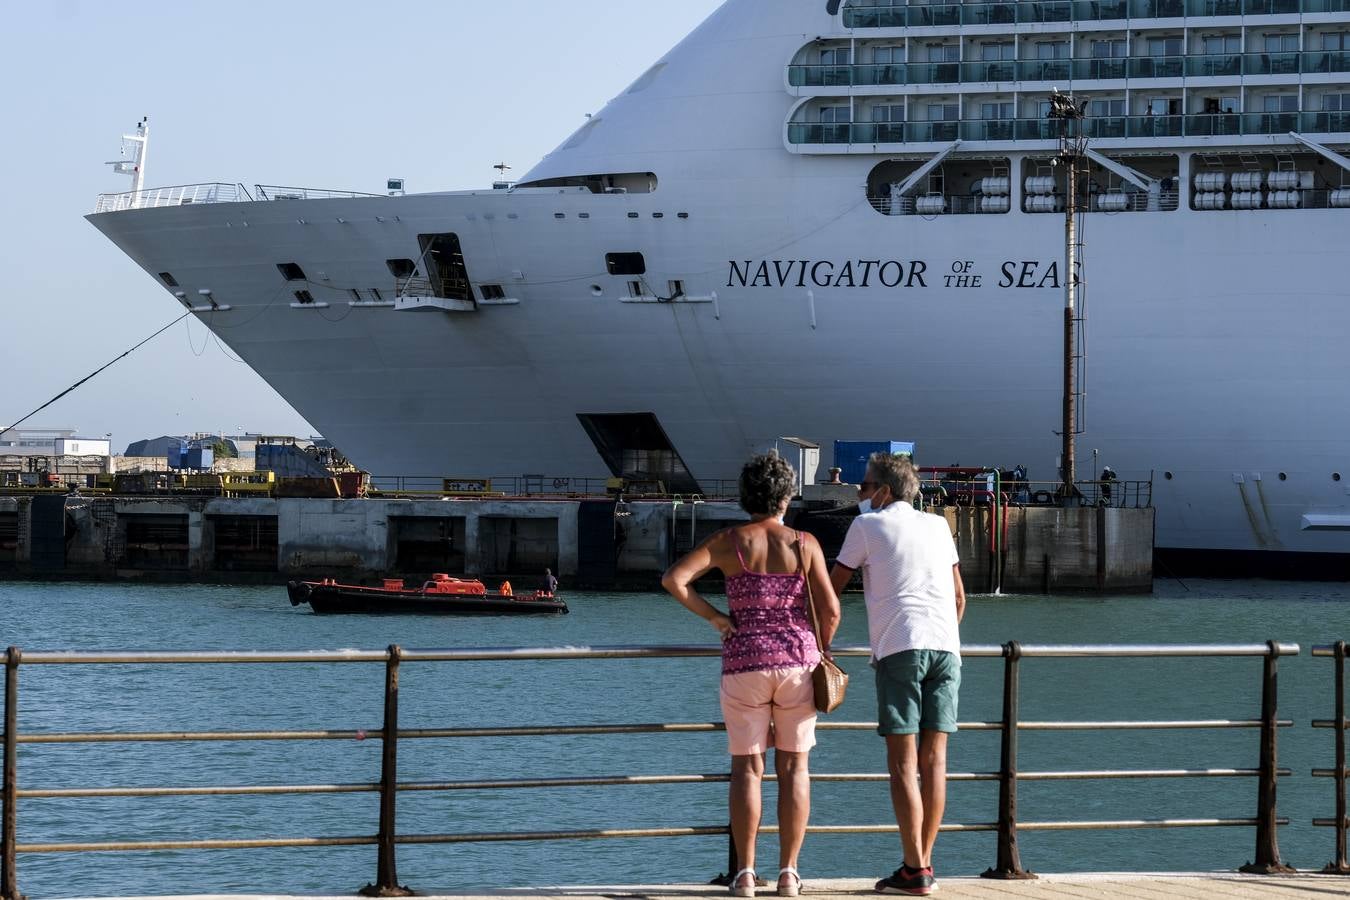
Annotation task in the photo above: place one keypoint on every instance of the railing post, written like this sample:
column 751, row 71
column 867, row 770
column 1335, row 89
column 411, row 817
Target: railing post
column 9, row 887
column 1009, row 865
column 733, row 861
column 1340, row 866
column 386, row 877
column 1267, row 861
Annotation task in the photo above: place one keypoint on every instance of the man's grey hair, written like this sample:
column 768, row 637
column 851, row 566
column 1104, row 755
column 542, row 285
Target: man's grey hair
column 895, row 471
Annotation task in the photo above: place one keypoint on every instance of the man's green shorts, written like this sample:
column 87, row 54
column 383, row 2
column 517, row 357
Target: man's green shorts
column 917, row 689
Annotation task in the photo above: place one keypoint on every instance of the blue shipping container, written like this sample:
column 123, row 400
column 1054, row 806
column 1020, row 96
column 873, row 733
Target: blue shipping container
column 198, row 458
column 851, row 456
column 177, row 455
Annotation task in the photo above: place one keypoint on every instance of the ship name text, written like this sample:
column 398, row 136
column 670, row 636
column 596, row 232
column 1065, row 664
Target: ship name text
column 888, row 273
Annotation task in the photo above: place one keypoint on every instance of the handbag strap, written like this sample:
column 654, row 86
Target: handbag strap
column 810, row 600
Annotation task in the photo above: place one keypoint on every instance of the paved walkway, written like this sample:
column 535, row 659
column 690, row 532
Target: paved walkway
column 1170, row 886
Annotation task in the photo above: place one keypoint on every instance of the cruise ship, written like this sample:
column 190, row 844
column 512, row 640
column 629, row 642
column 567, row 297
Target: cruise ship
column 844, row 220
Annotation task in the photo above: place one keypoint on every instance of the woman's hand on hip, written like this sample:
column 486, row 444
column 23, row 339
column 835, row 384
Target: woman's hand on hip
column 723, row 624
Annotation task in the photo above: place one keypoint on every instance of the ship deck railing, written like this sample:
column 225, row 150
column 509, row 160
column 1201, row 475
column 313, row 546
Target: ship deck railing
column 176, row 195
column 1210, row 65
column 1115, row 493
column 1340, row 865
column 214, row 192
column 1097, row 127
column 885, row 15
column 29, row 731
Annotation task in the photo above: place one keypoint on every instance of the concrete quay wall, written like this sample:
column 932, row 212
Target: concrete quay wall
column 589, row 543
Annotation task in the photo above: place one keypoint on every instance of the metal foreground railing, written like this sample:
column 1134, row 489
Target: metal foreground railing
column 1340, row 865
column 387, row 837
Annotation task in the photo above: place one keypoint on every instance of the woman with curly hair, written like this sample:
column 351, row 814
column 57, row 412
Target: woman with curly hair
column 768, row 652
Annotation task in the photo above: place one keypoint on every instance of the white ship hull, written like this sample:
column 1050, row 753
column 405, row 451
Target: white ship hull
column 1215, row 352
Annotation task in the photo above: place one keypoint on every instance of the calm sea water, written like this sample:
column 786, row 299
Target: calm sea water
column 93, row 698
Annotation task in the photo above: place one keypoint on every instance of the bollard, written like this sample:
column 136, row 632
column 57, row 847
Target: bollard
column 9, row 887
column 1267, row 861
column 1340, row 866
column 1009, row 865
column 386, row 876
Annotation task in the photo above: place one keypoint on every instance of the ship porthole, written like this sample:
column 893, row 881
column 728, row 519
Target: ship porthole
column 1167, row 475
column 1335, row 476
column 1284, row 477
column 597, row 291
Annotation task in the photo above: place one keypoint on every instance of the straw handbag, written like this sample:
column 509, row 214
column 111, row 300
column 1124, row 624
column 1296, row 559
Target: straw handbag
column 830, row 681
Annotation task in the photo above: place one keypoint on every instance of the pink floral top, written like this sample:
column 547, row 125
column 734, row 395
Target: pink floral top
column 772, row 630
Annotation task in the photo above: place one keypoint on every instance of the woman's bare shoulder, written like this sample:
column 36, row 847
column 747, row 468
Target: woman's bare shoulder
column 721, row 540
column 791, row 534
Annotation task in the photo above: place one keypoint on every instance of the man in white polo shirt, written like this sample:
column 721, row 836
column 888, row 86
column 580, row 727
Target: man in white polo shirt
column 915, row 601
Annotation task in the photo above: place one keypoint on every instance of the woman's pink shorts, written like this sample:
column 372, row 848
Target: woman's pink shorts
column 751, row 701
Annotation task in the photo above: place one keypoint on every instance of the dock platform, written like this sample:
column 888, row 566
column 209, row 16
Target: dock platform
column 1088, row 886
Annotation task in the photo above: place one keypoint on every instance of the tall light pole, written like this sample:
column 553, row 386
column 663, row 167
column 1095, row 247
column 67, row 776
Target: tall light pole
column 1072, row 143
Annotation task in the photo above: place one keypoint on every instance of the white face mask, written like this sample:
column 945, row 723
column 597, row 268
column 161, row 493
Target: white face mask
column 865, row 506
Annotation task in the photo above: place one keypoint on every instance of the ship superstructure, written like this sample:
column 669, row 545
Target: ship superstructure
column 843, row 221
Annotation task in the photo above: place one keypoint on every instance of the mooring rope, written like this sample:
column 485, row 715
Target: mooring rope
column 95, row 372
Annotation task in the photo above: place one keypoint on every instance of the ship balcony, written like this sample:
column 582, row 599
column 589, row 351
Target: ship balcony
column 1062, row 71
column 884, row 15
column 1096, row 127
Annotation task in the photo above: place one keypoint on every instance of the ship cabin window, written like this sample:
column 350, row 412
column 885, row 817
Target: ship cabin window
column 1281, row 43
column 291, row 271
column 835, row 56
column 938, row 53
column 1163, row 106
column 1164, row 46
column 1106, row 107
column 1336, row 41
column 943, row 112
column 625, row 264
column 168, row 279
column 998, row 110
column 1114, row 48
column 401, row 268
column 1052, row 49
column 304, row 297
column 1336, row 103
column 1215, row 44
column 491, row 292
column 1000, row 50
column 834, row 114
column 888, row 112
column 1275, row 103
column 888, row 56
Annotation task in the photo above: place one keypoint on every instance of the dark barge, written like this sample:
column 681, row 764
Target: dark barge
column 441, row 595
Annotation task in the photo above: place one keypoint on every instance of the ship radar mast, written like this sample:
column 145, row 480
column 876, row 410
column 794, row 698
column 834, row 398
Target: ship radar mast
column 132, row 163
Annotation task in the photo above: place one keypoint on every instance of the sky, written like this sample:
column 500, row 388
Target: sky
column 338, row 94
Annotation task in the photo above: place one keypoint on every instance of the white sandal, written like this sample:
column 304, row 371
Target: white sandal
column 792, row 888
column 739, row 890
